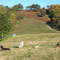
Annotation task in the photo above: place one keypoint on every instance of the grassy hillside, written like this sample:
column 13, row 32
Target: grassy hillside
column 31, row 32
column 31, row 26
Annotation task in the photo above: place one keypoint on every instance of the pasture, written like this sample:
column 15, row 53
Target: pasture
column 32, row 32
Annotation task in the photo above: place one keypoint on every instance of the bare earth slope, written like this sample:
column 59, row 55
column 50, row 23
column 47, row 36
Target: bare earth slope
column 32, row 14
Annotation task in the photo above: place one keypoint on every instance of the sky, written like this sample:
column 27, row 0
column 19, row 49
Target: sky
column 42, row 3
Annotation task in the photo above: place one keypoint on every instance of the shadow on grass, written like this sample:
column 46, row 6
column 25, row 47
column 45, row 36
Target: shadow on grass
column 0, row 40
column 49, row 23
column 16, row 47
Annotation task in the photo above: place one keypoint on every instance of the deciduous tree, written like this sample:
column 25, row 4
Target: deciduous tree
column 4, row 24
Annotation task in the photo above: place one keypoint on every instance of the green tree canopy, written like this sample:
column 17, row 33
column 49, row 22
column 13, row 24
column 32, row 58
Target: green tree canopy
column 4, row 24
column 54, row 14
column 17, row 7
column 34, row 7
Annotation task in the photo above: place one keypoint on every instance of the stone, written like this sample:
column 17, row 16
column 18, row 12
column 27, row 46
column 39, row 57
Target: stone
column 14, row 35
column 37, row 46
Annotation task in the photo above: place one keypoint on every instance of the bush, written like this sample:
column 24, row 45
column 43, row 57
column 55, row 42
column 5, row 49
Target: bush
column 4, row 24
column 13, row 17
column 43, row 13
column 20, row 17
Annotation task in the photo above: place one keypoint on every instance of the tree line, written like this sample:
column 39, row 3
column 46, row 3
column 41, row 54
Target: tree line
column 8, row 16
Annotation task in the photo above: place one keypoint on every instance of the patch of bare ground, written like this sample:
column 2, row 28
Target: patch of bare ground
column 50, row 27
column 34, row 15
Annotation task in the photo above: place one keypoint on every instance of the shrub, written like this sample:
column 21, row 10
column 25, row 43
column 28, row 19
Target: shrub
column 54, row 14
column 4, row 24
column 43, row 13
column 13, row 17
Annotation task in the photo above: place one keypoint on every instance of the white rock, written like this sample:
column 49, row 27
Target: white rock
column 36, row 46
column 21, row 44
column 14, row 35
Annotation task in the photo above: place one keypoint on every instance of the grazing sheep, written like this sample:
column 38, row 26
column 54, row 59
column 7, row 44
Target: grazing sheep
column 2, row 48
column 57, row 45
column 21, row 44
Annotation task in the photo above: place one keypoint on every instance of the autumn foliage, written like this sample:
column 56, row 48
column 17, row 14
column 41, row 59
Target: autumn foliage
column 54, row 14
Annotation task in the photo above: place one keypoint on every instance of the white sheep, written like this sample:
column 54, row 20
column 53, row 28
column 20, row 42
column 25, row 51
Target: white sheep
column 21, row 44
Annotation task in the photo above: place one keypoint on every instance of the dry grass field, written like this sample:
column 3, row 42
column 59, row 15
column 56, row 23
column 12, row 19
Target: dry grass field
column 47, row 49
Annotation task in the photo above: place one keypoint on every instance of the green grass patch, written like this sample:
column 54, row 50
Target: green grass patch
column 31, row 26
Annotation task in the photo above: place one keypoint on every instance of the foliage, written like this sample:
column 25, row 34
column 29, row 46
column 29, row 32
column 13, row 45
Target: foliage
column 54, row 14
column 4, row 24
column 28, row 7
column 13, row 17
column 17, row 7
column 7, row 17
column 34, row 7
column 43, row 12
column 4, row 10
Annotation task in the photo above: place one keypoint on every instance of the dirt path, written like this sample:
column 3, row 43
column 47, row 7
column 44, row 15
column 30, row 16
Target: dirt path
column 51, row 28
